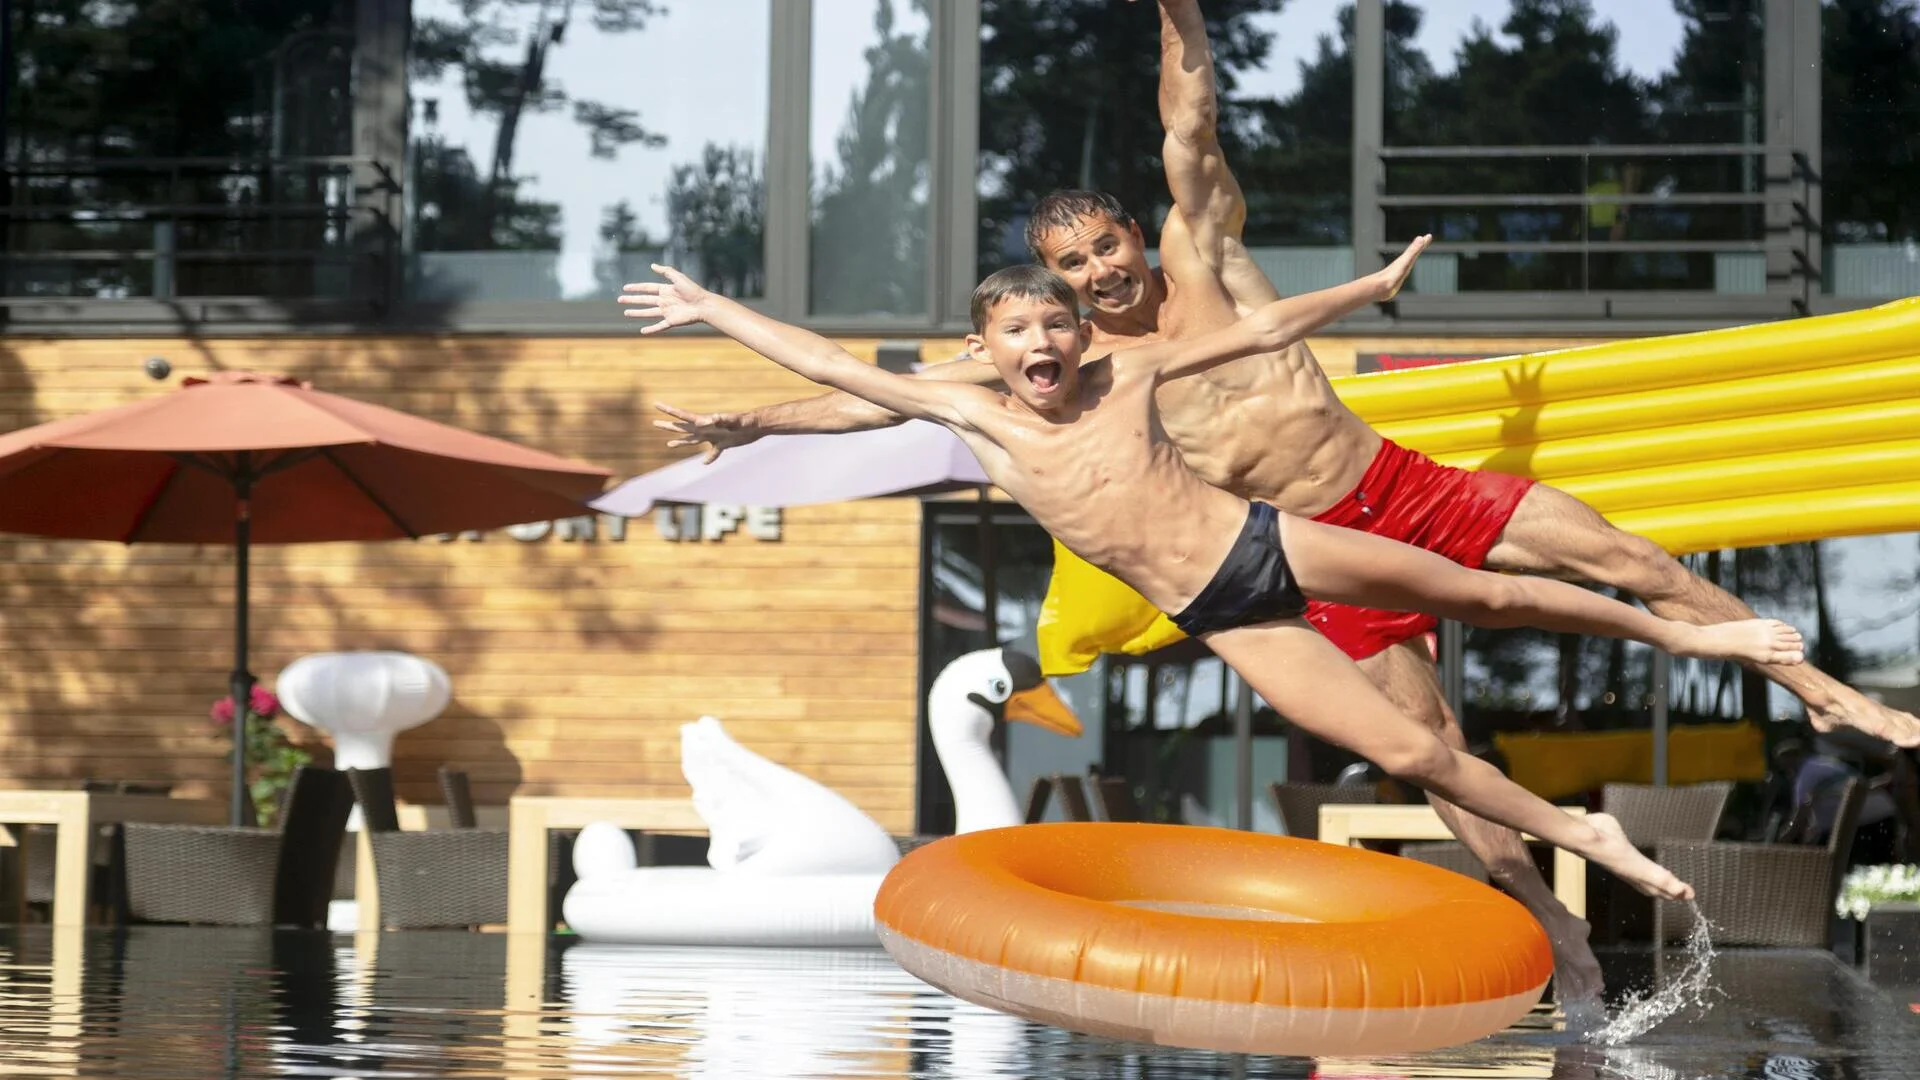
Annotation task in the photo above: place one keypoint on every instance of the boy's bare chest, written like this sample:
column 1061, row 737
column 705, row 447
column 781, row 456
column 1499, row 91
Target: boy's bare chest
column 1110, row 445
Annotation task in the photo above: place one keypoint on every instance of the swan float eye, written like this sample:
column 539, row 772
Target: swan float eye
column 999, row 688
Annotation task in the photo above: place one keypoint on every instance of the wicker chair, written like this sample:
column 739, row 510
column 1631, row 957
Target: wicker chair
column 1448, row 855
column 438, row 877
column 243, row 875
column 1073, row 796
column 1778, row 895
column 1299, row 803
column 1115, row 798
column 1650, row 814
column 459, row 796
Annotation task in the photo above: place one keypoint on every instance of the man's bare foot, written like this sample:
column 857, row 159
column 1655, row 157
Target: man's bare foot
column 1615, row 852
column 1851, row 708
column 1576, row 972
column 1758, row 641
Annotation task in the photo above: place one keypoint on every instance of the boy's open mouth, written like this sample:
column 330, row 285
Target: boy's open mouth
column 1045, row 376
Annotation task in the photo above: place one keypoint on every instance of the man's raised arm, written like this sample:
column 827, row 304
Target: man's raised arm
column 1205, row 194
column 678, row 301
column 829, row 414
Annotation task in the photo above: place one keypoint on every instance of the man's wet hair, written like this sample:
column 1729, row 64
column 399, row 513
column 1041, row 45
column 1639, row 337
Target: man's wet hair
column 1063, row 209
column 1025, row 282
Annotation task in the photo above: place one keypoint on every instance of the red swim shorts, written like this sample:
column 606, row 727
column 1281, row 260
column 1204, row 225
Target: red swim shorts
column 1407, row 496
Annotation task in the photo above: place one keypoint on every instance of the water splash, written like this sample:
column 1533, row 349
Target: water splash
column 1691, row 987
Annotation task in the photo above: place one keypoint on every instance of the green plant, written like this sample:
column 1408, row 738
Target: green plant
column 271, row 756
column 1866, row 886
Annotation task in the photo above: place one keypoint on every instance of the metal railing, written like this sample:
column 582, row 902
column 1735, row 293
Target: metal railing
column 1753, row 207
column 178, row 229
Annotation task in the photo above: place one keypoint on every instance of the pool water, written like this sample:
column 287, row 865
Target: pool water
column 203, row 1002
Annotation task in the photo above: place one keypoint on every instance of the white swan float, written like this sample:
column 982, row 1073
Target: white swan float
column 791, row 862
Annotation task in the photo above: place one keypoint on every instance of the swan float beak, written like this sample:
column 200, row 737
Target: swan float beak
column 1041, row 707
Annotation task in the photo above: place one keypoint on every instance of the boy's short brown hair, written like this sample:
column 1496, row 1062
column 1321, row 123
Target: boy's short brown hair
column 1027, row 281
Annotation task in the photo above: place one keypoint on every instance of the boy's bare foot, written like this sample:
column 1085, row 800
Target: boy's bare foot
column 1615, row 852
column 1757, row 641
column 1851, row 708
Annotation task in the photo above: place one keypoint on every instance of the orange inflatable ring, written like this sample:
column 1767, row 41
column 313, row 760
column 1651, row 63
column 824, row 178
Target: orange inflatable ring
column 1213, row 938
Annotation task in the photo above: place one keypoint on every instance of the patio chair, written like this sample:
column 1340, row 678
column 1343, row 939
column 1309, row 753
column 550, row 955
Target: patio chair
column 243, row 875
column 1648, row 815
column 1651, row 814
column 1037, row 795
column 38, row 843
column 1299, row 803
column 459, row 796
column 432, row 878
column 1073, row 796
column 1449, row 855
column 1115, row 798
column 1768, row 894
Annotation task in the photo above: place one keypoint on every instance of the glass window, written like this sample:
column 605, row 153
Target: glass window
column 558, row 149
column 102, row 105
column 1494, row 74
column 1073, row 102
column 1870, row 148
column 871, row 115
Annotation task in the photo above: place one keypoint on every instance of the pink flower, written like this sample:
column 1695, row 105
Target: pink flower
column 262, row 702
column 222, row 711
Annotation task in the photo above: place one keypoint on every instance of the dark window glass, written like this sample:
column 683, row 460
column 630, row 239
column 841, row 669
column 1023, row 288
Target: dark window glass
column 559, row 149
column 166, row 150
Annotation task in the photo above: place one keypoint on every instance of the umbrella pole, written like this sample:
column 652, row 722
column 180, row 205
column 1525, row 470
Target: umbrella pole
column 241, row 681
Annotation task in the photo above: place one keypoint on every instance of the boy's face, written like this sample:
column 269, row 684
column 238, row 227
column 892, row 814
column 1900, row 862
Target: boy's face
column 1104, row 261
column 1035, row 345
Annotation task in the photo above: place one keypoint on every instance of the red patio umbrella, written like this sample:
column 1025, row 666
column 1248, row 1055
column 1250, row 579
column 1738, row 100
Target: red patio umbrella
column 246, row 458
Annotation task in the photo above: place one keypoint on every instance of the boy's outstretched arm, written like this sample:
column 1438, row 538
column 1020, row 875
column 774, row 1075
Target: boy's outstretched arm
column 677, row 301
column 1277, row 325
column 825, row 414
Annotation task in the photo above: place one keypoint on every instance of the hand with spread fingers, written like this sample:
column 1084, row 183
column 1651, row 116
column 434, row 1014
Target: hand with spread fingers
column 676, row 301
column 715, row 431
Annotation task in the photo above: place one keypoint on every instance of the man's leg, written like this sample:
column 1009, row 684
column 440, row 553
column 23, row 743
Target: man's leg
column 1405, row 673
column 1299, row 672
column 1553, row 533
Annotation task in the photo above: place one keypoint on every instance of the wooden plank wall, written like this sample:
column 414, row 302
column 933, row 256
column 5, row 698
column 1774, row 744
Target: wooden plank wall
column 573, row 662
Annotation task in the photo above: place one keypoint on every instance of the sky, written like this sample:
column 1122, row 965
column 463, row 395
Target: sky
column 699, row 74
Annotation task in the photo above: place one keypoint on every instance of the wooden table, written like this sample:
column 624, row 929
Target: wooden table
column 1345, row 823
column 531, row 817
column 76, row 814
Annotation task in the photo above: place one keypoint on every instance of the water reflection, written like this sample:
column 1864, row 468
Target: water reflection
column 166, row 1001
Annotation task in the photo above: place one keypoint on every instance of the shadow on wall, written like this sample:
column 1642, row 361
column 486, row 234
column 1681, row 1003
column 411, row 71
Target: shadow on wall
column 114, row 654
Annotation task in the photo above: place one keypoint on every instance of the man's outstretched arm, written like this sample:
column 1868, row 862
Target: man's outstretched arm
column 1274, row 326
column 832, row 414
column 678, row 301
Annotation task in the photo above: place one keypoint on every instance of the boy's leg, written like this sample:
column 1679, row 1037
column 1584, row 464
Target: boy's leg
column 1352, row 567
column 1313, row 684
column 1551, row 532
column 1405, row 674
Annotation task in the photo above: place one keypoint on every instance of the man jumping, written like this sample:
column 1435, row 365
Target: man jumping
column 1271, row 428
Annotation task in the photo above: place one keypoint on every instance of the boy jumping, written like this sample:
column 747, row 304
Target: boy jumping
column 1079, row 445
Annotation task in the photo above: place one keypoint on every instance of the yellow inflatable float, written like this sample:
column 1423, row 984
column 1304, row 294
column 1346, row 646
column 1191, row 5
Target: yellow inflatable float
column 1769, row 434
